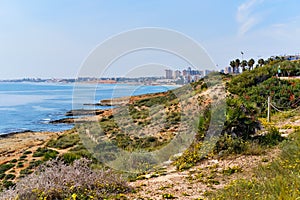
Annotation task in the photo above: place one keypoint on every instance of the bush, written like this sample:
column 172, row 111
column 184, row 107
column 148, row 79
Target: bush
column 6, row 167
column 25, row 172
column 2, row 176
column 190, row 157
column 33, row 164
column 14, row 161
column 20, row 164
column 23, row 157
column 46, row 153
column 51, row 154
column 56, row 180
column 229, row 145
column 70, row 157
column 27, row 152
column 10, row 176
column 272, row 138
column 8, row 184
column 64, row 141
column 241, row 119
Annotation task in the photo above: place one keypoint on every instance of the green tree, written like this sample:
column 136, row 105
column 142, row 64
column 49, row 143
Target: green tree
column 261, row 62
column 232, row 65
column 251, row 63
column 244, row 64
column 237, row 65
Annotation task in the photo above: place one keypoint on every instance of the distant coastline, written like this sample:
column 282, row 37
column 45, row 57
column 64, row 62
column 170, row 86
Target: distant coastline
column 41, row 106
column 91, row 80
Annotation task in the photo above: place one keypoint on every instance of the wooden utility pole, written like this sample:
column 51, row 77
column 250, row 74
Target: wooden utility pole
column 269, row 108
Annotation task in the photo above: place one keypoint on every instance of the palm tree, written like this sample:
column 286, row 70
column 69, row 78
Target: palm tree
column 251, row 63
column 244, row 64
column 232, row 65
column 237, row 64
column 261, row 62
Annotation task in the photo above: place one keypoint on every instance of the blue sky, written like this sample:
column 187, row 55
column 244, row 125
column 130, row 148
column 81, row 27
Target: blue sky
column 51, row 38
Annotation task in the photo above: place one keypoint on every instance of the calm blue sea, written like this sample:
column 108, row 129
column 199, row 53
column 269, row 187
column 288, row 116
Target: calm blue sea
column 31, row 106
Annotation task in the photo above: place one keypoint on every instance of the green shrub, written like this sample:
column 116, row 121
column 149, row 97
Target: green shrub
column 10, row 176
column 190, row 157
column 14, row 161
column 64, row 141
column 8, row 184
column 27, row 152
column 2, row 175
column 6, row 167
column 33, row 164
column 70, row 157
column 81, row 151
column 23, row 157
column 241, row 118
column 239, row 84
column 26, row 171
column 50, row 154
column 20, row 164
column 46, row 153
column 272, row 138
column 229, row 145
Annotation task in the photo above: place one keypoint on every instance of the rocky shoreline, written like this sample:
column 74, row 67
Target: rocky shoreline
column 85, row 115
column 12, row 145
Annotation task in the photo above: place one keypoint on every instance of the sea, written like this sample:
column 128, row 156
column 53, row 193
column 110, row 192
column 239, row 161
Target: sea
column 31, row 106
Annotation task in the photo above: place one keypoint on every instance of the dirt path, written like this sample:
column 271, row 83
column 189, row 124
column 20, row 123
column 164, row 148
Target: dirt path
column 211, row 174
column 207, row 176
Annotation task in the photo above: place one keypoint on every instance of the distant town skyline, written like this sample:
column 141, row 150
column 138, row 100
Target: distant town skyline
column 53, row 38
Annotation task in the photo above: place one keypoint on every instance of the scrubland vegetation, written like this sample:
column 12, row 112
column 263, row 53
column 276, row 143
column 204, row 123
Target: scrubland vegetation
column 73, row 172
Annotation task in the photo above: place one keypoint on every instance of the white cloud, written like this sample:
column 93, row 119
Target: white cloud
column 246, row 16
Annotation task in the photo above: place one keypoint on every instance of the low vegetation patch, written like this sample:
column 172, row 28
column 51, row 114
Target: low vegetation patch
column 6, row 167
column 46, row 153
column 278, row 180
column 57, row 180
column 64, row 141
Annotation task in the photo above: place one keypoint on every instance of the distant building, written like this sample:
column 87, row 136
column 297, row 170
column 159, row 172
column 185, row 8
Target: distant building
column 169, row 74
column 177, row 74
column 194, row 72
column 187, row 75
column 292, row 57
column 189, row 71
column 227, row 70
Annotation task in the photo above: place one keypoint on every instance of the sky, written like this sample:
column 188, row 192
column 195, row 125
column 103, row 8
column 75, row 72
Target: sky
column 53, row 38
